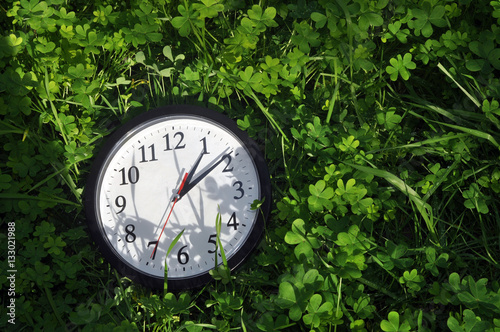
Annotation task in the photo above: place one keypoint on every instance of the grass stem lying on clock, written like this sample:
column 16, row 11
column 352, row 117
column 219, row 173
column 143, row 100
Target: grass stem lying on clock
column 172, row 245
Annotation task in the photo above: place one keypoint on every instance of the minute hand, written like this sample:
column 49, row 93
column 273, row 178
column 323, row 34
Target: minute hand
column 188, row 186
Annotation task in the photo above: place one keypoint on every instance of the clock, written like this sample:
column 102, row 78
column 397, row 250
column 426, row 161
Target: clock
column 160, row 183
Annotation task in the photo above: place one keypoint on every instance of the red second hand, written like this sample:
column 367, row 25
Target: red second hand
column 171, row 209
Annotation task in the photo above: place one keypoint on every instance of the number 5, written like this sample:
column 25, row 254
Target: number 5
column 211, row 239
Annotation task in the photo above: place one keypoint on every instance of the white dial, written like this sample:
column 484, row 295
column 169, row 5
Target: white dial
column 176, row 174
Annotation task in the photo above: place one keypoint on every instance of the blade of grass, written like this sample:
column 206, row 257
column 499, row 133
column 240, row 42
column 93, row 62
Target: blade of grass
column 424, row 104
column 436, row 185
column 268, row 115
column 109, row 105
column 447, row 73
column 429, row 141
column 218, row 226
column 13, row 130
column 172, row 245
column 53, row 108
column 52, row 303
column 331, row 105
column 50, row 199
column 423, row 208
column 470, row 131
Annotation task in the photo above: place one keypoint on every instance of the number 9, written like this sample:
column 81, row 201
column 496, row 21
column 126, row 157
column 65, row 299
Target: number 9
column 120, row 202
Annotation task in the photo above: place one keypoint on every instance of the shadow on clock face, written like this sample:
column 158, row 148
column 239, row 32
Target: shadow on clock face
column 227, row 195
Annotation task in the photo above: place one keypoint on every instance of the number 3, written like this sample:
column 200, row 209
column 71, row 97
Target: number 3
column 239, row 184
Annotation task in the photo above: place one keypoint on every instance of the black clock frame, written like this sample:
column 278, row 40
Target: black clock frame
column 91, row 204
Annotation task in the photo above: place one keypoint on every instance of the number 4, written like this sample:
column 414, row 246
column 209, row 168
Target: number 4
column 232, row 221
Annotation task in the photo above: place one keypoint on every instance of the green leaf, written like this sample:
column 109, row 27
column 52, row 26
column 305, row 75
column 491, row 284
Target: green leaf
column 184, row 22
column 79, row 71
column 305, row 243
column 191, row 75
column 45, row 47
column 370, row 19
column 262, row 19
column 389, row 119
column 348, row 144
column 54, row 245
column 413, row 280
column 208, row 8
column 393, row 325
column 5, row 180
column 298, row 233
column 424, row 209
column 426, row 17
column 249, row 80
column 347, row 188
column 306, row 37
column 400, row 66
column 286, row 295
column 10, row 45
column 396, row 31
column 320, row 19
column 320, row 197
column 471, row 323
column 316, row 310
column 172, row 245
column 475, row 199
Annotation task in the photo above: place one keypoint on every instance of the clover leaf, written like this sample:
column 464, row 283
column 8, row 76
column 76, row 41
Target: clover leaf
column 475, row 199
column 306, row 37
column 305, row 242
column 426, row 17
column 178, row 305
column 370, row 19
column 286, row 295
column 491, row 107
column 44, row 230
column 433, row 262
column 400, row 66
column 393, row 325
column 269, row 323
column 347, row 188
column 484, row 47
column 250, row 80
column 470, row 323
column 54, row 245
column 389, row 119
column 208, row 8
column 316, row 310
column 262, row 19
column 41, row 274
column 183, row 23
column 79, row 71
column 320, row 197
column 320, row 19
column 413, row 280
column 10, row 45
column 395, row 30
column 5, row 181
column 296, row 290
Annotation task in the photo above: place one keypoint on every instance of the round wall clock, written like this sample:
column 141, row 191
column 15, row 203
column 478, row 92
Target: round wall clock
column 170, row 173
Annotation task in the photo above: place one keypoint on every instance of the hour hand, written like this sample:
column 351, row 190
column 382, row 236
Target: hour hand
column 190, row 184
column 189, row 177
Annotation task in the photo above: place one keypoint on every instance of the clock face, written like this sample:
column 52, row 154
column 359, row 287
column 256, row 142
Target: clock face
column 170, row 171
